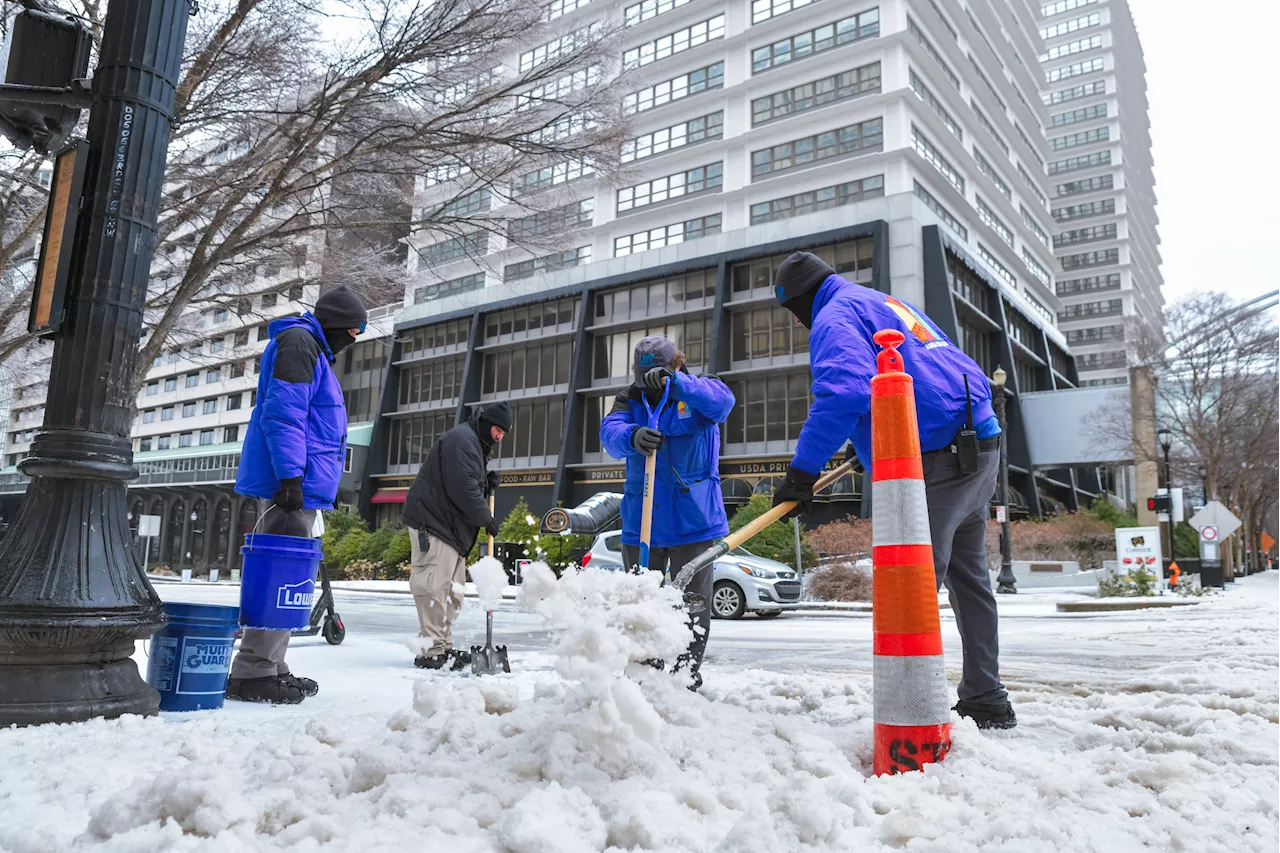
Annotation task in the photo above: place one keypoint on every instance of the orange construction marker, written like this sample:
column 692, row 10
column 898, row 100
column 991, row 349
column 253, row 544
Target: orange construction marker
column 912, row 714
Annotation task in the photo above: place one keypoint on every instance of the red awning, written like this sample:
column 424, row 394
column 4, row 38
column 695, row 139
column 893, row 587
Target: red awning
column 389, row 496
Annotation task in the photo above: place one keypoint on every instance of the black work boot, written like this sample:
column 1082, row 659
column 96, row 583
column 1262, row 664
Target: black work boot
column 430, row 661
column 988, row 716
column 272, row 689
column 461, row 659
column 307, row 685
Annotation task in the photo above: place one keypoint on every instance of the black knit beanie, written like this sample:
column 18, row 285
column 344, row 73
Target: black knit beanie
column 341, row 308
column 495, row 415
column 797, row 282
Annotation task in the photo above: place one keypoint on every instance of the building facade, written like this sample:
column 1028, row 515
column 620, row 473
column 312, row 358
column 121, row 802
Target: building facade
column 903, row 141
column 1103, row 190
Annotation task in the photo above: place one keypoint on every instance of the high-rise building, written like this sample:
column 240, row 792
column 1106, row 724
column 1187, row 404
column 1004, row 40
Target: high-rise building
column 1103, row 192
column 902, row 140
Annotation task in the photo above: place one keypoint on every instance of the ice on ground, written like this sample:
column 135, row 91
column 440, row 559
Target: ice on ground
column 596, row 751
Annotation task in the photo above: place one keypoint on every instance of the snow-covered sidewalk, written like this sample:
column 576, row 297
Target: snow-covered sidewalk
column 1151, row 730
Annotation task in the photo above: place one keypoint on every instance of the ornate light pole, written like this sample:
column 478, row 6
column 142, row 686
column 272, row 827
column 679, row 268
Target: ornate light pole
column 1165, row 437
column 73, row 598
column 1005, row 582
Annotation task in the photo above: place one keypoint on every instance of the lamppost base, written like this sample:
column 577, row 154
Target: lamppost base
column 70, row 693
column 1006, row 589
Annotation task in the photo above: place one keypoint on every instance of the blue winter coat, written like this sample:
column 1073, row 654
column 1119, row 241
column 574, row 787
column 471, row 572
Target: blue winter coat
column 299, row 426
column 687, row 504
column 842, row 357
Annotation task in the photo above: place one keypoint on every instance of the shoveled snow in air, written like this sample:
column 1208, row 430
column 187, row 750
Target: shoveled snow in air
column 1146, row 731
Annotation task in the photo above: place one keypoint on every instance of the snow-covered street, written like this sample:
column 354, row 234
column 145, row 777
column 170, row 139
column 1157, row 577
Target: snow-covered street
column 1146, row 730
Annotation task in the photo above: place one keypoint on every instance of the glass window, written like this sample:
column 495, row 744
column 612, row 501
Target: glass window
column 231, row 433
column 188, row 410
column 233, row 402
column 166, row 414
column 185, row 439
column 149, row 416
column 153, row 388
column 209, row 407
column 206, row 436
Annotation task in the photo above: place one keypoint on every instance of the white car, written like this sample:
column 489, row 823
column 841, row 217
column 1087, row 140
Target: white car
column 744, row 582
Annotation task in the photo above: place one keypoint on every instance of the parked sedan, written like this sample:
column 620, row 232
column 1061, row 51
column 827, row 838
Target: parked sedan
column 744, row 582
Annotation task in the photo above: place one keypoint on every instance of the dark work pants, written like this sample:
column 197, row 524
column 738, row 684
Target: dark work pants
column 262, row 653
column 958, row 510
column 671, row 560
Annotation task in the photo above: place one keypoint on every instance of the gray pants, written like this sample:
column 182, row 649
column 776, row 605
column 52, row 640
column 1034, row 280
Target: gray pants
column 671, row 560
column 261, row 653
column 437, row 572
column 958, row 510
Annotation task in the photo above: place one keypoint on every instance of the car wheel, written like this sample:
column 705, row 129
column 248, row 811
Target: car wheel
column 727, row 601
column 768, row 614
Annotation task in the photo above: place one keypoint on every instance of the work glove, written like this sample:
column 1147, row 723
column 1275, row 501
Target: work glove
column 797, row 486
column 492, row 528
column 491, row 480
column 289, row 497
column 851, row 456
column 647, row 440
column 654, row 378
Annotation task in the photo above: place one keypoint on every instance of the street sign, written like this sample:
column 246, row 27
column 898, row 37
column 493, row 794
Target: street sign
column 1001, row 512
column 1214, row 514
column 148, row 525
column 1209, row 533
column 1268, row 542
column 1138, row 548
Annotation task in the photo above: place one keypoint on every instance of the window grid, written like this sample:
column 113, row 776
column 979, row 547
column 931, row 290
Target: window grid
column 689, row 182
column 674, row 43
column 943, row 214
column 565, row 128
column 1084, row 90
column 865, row 136
column 1001, row 271
column 640, row 12
column 1082, row 161
column 1071, row 48
column 1076, row 69
column 982, row 120
column 552, row 176
column 466, row 205
column 1086, row 185
column 535, row 367
column 1084, row 137
column 1096, row 334
column 542, row 438
column 819, row 93
column 920, row 37
column 693, row 291
column 410, row 438
column 973, row 289
column 667, row 235
column 1037, row 270
column 1092, row 234
column 696, row 130
column 1082, row 114
column 815, row 41
column 770, row 409
column 815, row 200
column 1048, row 10
column 436, row 336
column 987, row 169
column 1089, row 284
column 1101, row 360
column 988, row 216
column 579, row 214
column 557, row 48
column 675, row 89
column 1104, row 207
column 1031, row 185
column 1091, row 259
column 765, row 332
column 926, row 150
column 977, row 69
column 550, row 317
column 555, row 91
column 469, row 245
column 475, row 281
column 763, row 10
column 1033, row 225
column 1027, row 142
column 547, row 264
column 564, row 7
column 923, row 93
column 612, row 354
column 1084, row 22
column 1104, row 308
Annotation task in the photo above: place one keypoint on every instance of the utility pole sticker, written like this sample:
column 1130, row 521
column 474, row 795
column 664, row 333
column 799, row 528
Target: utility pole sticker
column 117, row 170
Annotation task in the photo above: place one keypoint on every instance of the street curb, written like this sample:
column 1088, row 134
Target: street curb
column 1116, row 606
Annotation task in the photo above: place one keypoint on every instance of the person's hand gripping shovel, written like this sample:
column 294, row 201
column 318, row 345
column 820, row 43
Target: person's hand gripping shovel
column 650, row 470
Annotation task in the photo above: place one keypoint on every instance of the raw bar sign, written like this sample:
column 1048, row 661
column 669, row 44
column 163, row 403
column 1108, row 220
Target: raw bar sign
column 1138, row 548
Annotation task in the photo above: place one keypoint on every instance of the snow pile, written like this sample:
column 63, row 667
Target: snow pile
column 490, row 580
column 1175, row 754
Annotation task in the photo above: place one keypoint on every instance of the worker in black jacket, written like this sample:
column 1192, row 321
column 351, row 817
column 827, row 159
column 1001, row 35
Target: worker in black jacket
column 445, row 510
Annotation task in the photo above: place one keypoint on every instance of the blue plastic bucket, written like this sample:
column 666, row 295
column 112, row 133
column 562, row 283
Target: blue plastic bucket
column 189, row 659
column 278, row 583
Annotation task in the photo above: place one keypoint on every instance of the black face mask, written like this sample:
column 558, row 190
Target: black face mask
column 802, row 307
column 338, row 339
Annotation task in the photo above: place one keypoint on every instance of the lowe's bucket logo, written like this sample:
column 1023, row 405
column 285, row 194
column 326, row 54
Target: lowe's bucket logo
column 206, row 657
column 296, row 596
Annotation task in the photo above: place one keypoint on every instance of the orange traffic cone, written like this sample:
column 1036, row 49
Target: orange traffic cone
column 912, row 714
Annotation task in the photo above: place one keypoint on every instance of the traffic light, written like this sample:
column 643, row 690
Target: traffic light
column 1160, row 503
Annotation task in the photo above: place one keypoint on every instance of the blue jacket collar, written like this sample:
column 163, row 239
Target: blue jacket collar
column 310, row 323
column 826, row 292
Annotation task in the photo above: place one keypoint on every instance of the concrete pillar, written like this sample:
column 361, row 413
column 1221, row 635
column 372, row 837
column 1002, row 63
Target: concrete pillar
column 1142, row 404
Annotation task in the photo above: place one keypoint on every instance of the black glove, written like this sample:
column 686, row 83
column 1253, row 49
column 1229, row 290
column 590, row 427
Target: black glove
column 798, row 486
column 653, row 379
column 492, row 527
column 851, row 456
column 289, row 497
column 647, row 440
column 491, row 480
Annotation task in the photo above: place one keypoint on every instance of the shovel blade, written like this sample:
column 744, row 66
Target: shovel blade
column 489, row 660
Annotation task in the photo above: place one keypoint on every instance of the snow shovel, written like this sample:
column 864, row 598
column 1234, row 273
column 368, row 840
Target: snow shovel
column 489, row 659
column 650, row 474
column 696, row 603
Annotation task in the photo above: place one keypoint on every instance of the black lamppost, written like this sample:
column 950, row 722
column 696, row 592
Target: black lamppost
column 73, row 598
column 1165, row 437
column 1005, row 581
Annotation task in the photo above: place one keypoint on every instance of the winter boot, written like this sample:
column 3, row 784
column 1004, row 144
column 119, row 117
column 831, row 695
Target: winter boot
column 430, row 661
column 454, row 659
column 307, row 685
column 988, row 716
column 273, row 689
column 461, row 659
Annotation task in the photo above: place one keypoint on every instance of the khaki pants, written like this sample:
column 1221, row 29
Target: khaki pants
column 435, row 573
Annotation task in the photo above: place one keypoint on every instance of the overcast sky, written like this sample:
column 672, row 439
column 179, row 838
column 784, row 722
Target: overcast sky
column 1215, row 129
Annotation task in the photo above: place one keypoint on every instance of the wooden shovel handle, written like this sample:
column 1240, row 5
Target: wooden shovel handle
column 491, row 536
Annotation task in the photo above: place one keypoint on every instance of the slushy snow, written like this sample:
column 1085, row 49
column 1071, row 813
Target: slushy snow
column 589, row 749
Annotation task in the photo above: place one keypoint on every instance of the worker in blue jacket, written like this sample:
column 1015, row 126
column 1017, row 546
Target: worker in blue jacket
column 292, row 460
column 688, row 510
column 959, row 478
